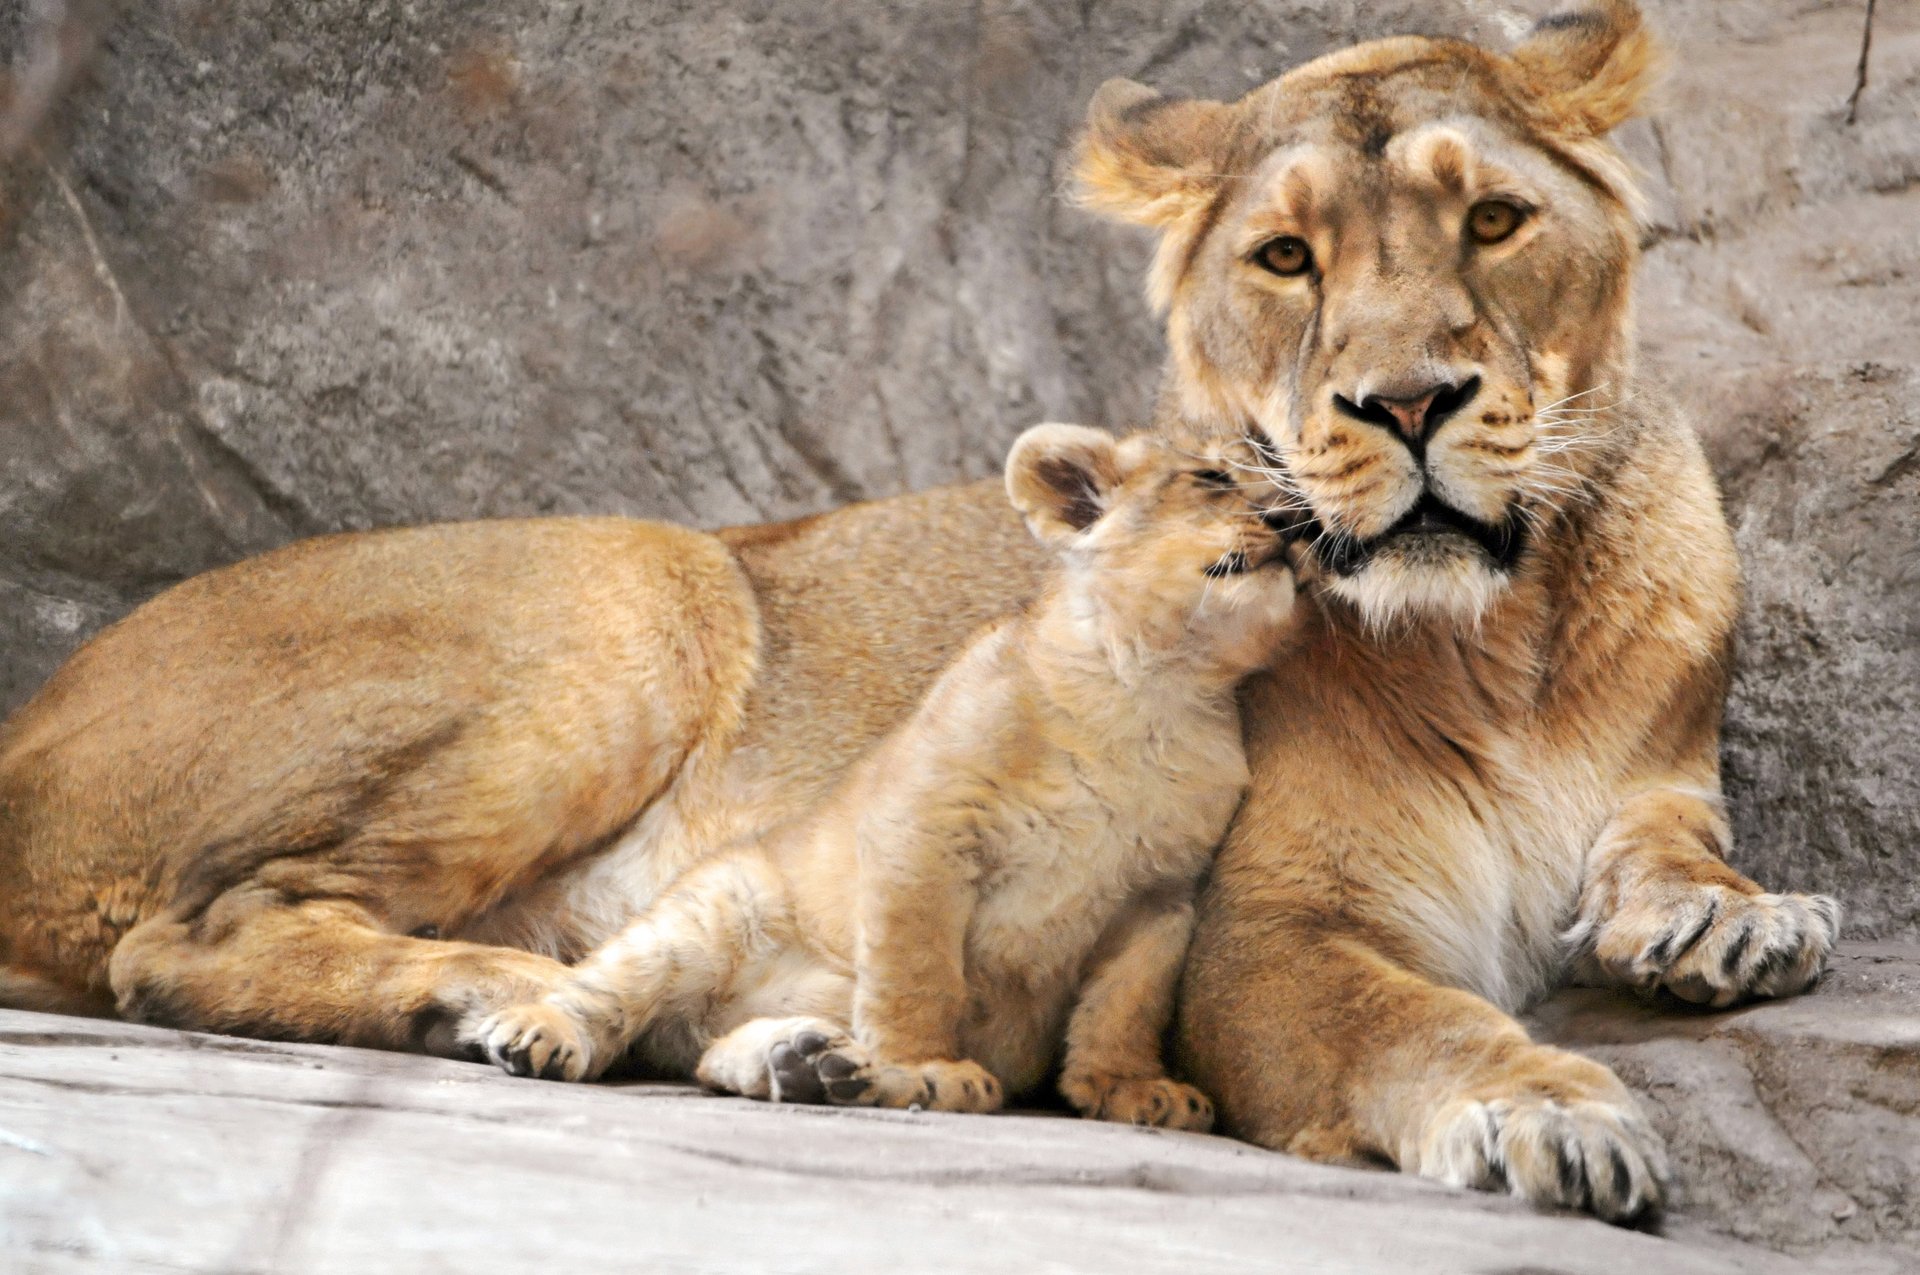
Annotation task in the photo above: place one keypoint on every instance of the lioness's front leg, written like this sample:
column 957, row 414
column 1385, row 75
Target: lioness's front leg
column 1659, row 907
column 1113, row 1069
column 1312, row 1040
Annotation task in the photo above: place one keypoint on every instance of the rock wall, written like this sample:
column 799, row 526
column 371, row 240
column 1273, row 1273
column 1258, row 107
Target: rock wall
column 277, row 269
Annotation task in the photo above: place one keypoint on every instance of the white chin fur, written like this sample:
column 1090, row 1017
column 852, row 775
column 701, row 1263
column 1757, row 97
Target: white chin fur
column 1389, row 588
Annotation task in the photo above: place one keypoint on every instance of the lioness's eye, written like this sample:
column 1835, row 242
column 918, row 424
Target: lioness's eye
column 1213, row 477
column 1492, row 220
column 1287, row 255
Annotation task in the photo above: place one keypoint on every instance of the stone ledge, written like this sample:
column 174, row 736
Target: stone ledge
column 126, row 1148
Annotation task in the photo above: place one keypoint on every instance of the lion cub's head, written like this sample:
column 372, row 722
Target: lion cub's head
column 1406, row 267
column 1163, row 545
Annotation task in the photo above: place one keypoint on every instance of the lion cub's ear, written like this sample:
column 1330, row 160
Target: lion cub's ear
column 1591, row 68
column 1149, row 159
column 1060, row 477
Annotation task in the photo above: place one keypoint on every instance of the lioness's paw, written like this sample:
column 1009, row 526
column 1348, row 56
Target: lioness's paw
column 538, row 1039
column 1713, row 945
column 1156, row 1100
column 1572, row 1139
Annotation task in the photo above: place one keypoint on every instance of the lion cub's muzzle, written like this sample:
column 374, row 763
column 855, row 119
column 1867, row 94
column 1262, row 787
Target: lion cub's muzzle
column 1249, row 558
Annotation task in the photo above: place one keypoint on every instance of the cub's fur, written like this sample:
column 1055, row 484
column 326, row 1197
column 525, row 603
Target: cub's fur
column 1015, row 862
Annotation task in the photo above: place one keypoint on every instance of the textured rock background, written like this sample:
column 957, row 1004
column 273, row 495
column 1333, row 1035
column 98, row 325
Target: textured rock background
column 276, row 269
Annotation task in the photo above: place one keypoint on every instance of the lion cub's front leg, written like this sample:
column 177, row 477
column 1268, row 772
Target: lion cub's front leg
column 916, row 901
column 1113, row 1068
column 1661, row 908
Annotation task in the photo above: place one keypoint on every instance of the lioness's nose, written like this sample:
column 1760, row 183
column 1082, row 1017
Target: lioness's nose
column 1415, row 416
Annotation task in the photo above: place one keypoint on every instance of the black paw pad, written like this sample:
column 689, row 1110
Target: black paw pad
column 836, row 1067
column 793, row 1075
column 847, row 1090
column 810, row 1044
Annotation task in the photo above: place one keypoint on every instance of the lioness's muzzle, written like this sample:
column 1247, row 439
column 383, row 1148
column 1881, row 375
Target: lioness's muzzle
column 1430, row 516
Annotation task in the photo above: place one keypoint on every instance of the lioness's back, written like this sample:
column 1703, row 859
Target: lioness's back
column 250, row 711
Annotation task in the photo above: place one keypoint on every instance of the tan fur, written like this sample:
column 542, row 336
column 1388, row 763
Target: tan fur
column 265, row 783
column 1012, row 868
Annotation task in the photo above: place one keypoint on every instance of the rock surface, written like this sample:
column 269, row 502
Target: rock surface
column 281, row 269
column 1782, row 296
column 277, row 269
column 1793, row 1124
column 129, row 1149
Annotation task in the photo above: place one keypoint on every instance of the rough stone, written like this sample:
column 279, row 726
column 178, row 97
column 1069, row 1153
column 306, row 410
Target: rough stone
column 1781, row 295
column 1794, row 1124
column 127, row 1148
column 283, row 269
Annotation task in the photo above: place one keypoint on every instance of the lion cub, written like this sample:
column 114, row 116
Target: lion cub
column 1011, row 870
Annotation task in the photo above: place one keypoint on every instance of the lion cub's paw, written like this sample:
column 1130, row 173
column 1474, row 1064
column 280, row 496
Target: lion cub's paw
column 1715, row 946
column 1552, row 1145
column 931, row 1086
column 812, row 1060
column 1156, row 1100
column 938, row 1086
column 538, row 1039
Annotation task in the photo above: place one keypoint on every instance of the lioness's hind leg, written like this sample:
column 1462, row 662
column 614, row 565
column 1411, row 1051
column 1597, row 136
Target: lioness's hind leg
column 705, row 944
column 318, row 971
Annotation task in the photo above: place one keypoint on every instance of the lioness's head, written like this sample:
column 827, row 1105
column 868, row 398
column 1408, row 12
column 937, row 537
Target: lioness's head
column 1405, row 266
column 1163, row 541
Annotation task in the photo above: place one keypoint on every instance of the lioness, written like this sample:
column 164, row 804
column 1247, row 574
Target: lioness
column 1010, row 870
column 372, row 788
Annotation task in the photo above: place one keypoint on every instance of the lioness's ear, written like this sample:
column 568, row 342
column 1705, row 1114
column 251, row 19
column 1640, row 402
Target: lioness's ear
column 1148, row 159
column 1060, row 476
column 1591, row 68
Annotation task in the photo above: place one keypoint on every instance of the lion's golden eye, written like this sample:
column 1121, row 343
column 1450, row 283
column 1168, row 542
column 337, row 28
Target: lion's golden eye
column 1492, row 220
column 1288, row 255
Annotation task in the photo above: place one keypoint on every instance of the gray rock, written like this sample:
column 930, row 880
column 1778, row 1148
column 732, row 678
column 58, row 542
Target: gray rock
column 283, row 269
column 1793, row 1124
column 1783, row 298
column 127, row 1148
